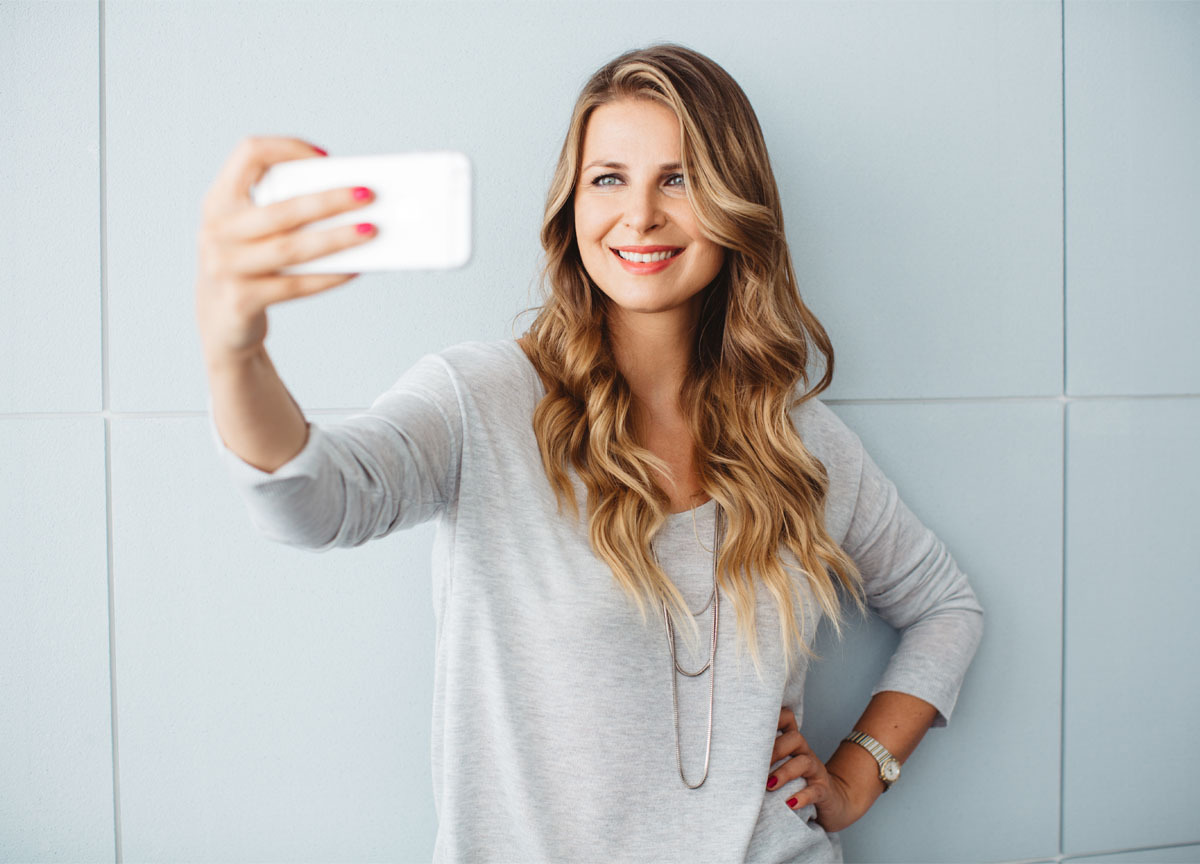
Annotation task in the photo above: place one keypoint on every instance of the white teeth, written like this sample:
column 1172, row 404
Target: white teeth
column 639, row 258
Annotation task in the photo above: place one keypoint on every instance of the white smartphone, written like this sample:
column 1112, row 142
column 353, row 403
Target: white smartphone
column 422, row 208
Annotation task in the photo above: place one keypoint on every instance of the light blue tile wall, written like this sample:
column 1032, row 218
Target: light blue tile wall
column 955, row 205
column 274, row 704
column 1133, row 179
column 56, row 757
column 1132, row 593
column 49, row 207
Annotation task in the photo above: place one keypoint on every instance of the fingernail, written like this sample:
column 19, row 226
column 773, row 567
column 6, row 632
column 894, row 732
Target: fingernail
column 771, row 781
column 792, row 801
column 362, row 193
column 364, row 227
column 318, row 149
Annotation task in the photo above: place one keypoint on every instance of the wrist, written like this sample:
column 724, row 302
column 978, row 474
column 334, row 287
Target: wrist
column 233, row 362
column 859, row 774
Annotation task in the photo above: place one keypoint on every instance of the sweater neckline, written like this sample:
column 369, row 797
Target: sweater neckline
column 701, row 511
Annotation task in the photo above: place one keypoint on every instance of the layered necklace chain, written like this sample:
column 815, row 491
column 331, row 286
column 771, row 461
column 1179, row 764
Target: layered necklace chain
column 711, row 666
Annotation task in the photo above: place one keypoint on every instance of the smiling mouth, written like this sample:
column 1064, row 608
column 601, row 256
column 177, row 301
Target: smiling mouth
column 650, row 255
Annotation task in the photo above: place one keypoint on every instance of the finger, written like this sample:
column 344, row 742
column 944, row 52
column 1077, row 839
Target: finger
column 787, row 720
column 246, row 165
column 808, row 767
column 294, row 247
column 789, row 744
column 814, row 793
column 282, row 288
column 252, row 223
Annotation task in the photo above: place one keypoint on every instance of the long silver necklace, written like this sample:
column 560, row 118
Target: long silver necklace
column 711, row 665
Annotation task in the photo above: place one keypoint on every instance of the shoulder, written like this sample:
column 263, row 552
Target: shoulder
column 482, row 379
column 477, row 367
column 825, row 434
column 480, row 356
column 827, row 437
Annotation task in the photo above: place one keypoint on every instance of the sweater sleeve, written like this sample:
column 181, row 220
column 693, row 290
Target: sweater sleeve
column 913, row 583
column 391, row 467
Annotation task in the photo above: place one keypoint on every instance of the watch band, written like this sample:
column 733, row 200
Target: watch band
column 889, row 765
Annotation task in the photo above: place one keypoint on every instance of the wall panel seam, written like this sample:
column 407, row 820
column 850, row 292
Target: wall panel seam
column 913, row 400
column 108, row 417
column 1062, row 691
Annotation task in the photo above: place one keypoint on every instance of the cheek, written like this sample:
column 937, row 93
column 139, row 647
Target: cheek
column 590, row 230
column 711, row 255
column 585, row 244
column 712, row 260
column 589, row 223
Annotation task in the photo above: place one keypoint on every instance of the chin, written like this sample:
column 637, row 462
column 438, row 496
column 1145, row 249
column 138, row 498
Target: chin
column 643, row 303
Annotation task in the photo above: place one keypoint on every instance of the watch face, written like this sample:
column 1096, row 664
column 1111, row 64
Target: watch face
column 891, row 771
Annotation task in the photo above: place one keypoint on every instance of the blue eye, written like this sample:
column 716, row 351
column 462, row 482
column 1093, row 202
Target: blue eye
column 601, row 180
column 671, row 180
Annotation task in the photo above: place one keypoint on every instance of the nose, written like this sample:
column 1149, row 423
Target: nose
column 643, row 212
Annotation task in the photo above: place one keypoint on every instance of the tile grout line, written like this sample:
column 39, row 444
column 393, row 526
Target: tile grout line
column 1092, row 853
column 1063, row 93
column 105, row 398
column 1062, row 398
column 1062, row 691
column 1062, row 708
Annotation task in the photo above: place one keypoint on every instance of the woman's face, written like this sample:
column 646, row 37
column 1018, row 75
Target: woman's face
column 638, row 236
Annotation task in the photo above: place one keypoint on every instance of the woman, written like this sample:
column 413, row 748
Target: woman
column 650, row 445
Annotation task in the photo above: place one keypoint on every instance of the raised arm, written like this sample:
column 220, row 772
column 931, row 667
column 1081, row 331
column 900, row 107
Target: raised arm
column 306, row 485
column 241, row 249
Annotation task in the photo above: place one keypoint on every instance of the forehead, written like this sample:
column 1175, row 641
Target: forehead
column 631, row 130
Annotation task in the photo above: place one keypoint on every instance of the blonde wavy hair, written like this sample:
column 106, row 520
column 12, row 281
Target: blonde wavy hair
column 751, row 353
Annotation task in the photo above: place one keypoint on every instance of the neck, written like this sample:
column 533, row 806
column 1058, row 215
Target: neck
column 653, row 352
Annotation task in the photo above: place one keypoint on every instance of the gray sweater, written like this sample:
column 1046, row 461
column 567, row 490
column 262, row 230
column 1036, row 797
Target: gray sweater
column 553, row 732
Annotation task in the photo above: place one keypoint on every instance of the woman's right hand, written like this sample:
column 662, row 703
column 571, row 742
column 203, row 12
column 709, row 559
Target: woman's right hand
column 242, row 246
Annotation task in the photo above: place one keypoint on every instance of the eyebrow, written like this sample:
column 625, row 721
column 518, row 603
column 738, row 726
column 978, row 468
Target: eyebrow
column 666, row 166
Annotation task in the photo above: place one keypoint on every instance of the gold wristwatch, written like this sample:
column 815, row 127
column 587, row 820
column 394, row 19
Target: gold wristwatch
column 889, row 767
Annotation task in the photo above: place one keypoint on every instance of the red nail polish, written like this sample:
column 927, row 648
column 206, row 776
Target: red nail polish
column 792, row 801
column 364, row 227
column 771, row 781
column 318, row 149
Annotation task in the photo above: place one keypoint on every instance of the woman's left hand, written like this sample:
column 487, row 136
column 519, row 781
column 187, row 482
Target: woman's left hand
column 829, row 792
